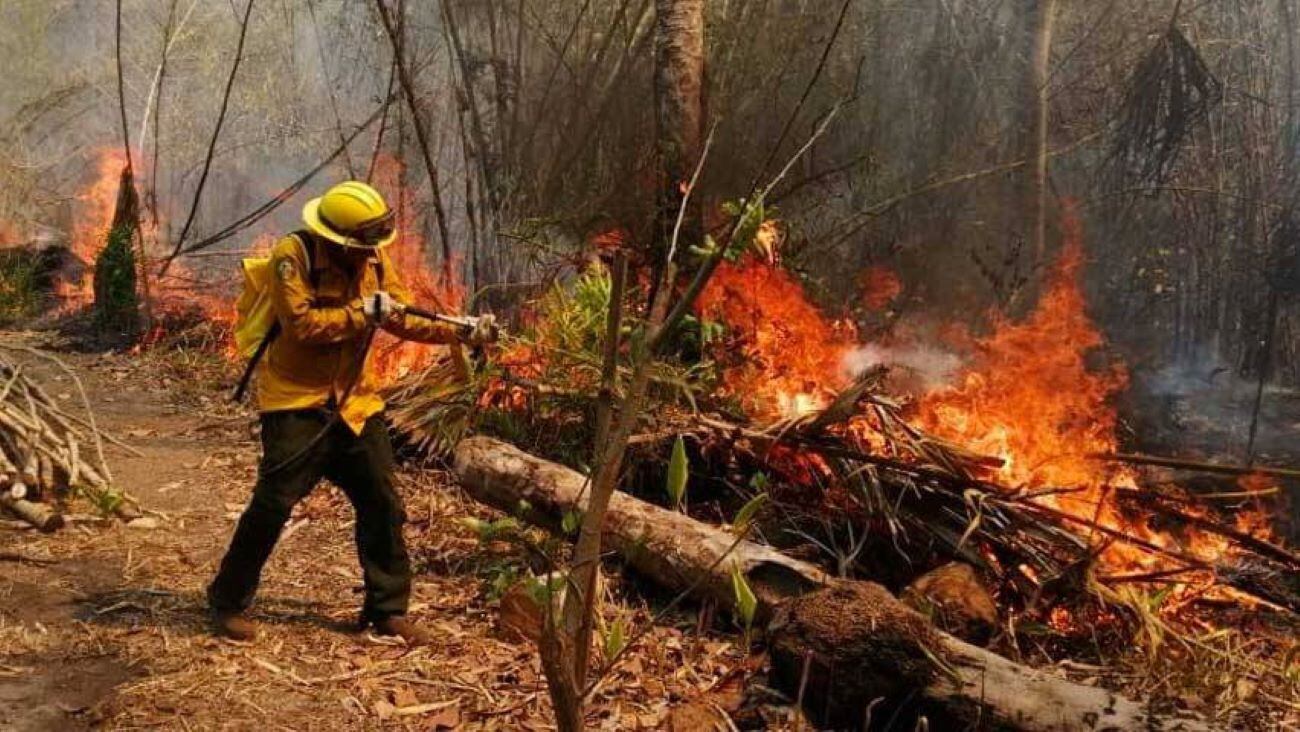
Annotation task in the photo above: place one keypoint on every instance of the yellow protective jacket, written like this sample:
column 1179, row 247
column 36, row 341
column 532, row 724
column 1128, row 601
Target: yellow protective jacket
column 314, row 359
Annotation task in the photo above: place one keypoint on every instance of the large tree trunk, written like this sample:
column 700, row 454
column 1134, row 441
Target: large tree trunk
column 879, row 646
column 679, row 115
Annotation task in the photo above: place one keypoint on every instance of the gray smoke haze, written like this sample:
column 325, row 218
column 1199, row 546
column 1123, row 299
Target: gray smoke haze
column 931, row 366
column 1203, row 406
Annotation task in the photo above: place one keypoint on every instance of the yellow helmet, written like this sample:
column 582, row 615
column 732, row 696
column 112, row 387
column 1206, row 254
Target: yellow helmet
column 351, row 214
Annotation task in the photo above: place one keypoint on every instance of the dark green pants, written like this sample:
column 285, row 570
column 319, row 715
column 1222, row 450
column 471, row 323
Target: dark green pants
column 362, row 466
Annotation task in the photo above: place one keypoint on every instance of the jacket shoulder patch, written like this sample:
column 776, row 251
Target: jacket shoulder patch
column 285, row 269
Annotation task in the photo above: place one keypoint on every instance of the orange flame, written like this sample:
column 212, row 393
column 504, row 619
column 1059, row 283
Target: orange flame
column 782, row 356
column 1028, row 395
column 391, row 357
column 92, row 216
column 1030, row 398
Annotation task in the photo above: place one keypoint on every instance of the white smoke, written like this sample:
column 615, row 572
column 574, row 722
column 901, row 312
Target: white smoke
column 932, row 366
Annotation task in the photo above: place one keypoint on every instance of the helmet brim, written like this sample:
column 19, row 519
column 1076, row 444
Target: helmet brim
column 312, row 218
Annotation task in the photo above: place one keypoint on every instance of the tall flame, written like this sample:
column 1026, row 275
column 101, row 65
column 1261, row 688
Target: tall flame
column 1029, row 397
column 1028, row 394
column 393, row 358
column 92, row 216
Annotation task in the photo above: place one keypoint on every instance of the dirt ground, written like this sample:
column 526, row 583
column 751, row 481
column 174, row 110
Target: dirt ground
column 104, row 626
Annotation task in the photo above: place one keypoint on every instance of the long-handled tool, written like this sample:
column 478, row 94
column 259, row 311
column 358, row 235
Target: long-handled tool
column 463, row 321
column 467, row 323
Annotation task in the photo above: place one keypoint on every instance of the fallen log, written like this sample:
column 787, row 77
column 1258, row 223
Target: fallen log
column 37, row 514
column 890, row 650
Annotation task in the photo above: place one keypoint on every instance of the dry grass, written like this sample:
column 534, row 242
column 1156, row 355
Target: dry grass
column 120, row 611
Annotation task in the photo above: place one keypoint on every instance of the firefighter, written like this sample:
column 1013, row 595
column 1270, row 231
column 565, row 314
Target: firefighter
column 322, row 417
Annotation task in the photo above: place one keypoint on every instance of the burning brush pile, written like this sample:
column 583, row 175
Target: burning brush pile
column 1006, row 468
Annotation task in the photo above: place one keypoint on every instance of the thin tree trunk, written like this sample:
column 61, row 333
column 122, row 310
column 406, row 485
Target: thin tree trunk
column 212, row 143
column 1040, row 63
column 383, row 124
column 679, row 115
column 469, row 101
column 329, row 88
column 421, row 136
column 128, row 179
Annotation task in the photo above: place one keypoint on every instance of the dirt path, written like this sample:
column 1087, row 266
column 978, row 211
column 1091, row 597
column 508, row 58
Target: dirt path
column 112, row 631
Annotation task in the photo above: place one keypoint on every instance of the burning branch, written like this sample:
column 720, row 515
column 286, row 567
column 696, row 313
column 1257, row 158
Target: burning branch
column 1199, row 466
column 395, row 39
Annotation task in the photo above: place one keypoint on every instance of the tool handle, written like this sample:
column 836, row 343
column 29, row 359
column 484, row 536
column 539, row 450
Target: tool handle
column 422, row 313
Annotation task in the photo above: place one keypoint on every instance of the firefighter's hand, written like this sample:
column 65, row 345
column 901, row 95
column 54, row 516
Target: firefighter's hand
column 381, row 308
column 483, row 332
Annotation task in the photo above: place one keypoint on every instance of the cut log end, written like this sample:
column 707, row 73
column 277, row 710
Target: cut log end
column 847, row 645
column 38, row 515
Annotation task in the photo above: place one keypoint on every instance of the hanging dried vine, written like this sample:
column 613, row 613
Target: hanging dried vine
column 1171, row 92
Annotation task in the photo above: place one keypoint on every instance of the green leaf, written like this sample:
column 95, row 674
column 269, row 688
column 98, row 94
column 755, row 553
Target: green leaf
column 746, row 602
column 543, row 589
column 615, row 639
column 745, row 516
column 677, row 472
column 478, row 526
column 489, row 530
column 571, row 521
column 1291, row 664
column 500, row 581
column 503, row 526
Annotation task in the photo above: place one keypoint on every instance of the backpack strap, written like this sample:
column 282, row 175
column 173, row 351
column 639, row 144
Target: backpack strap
column 308, row 244
column 242, row 388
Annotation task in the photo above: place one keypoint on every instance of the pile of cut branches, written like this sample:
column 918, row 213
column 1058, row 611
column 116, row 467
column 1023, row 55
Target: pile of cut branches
column 48, row 453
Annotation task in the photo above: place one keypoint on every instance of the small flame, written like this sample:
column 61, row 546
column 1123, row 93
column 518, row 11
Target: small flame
column 182, row 299
column 880, row 286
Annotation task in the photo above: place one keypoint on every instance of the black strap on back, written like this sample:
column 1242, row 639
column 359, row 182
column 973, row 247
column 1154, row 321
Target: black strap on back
column 313, row 277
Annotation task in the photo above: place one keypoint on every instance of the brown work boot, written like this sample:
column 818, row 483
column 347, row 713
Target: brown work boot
column 402, row 627
column 234, row 625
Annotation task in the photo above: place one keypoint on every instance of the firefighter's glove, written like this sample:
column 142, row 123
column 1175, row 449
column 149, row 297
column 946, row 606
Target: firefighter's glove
column 381, row 308
column 483, row 331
